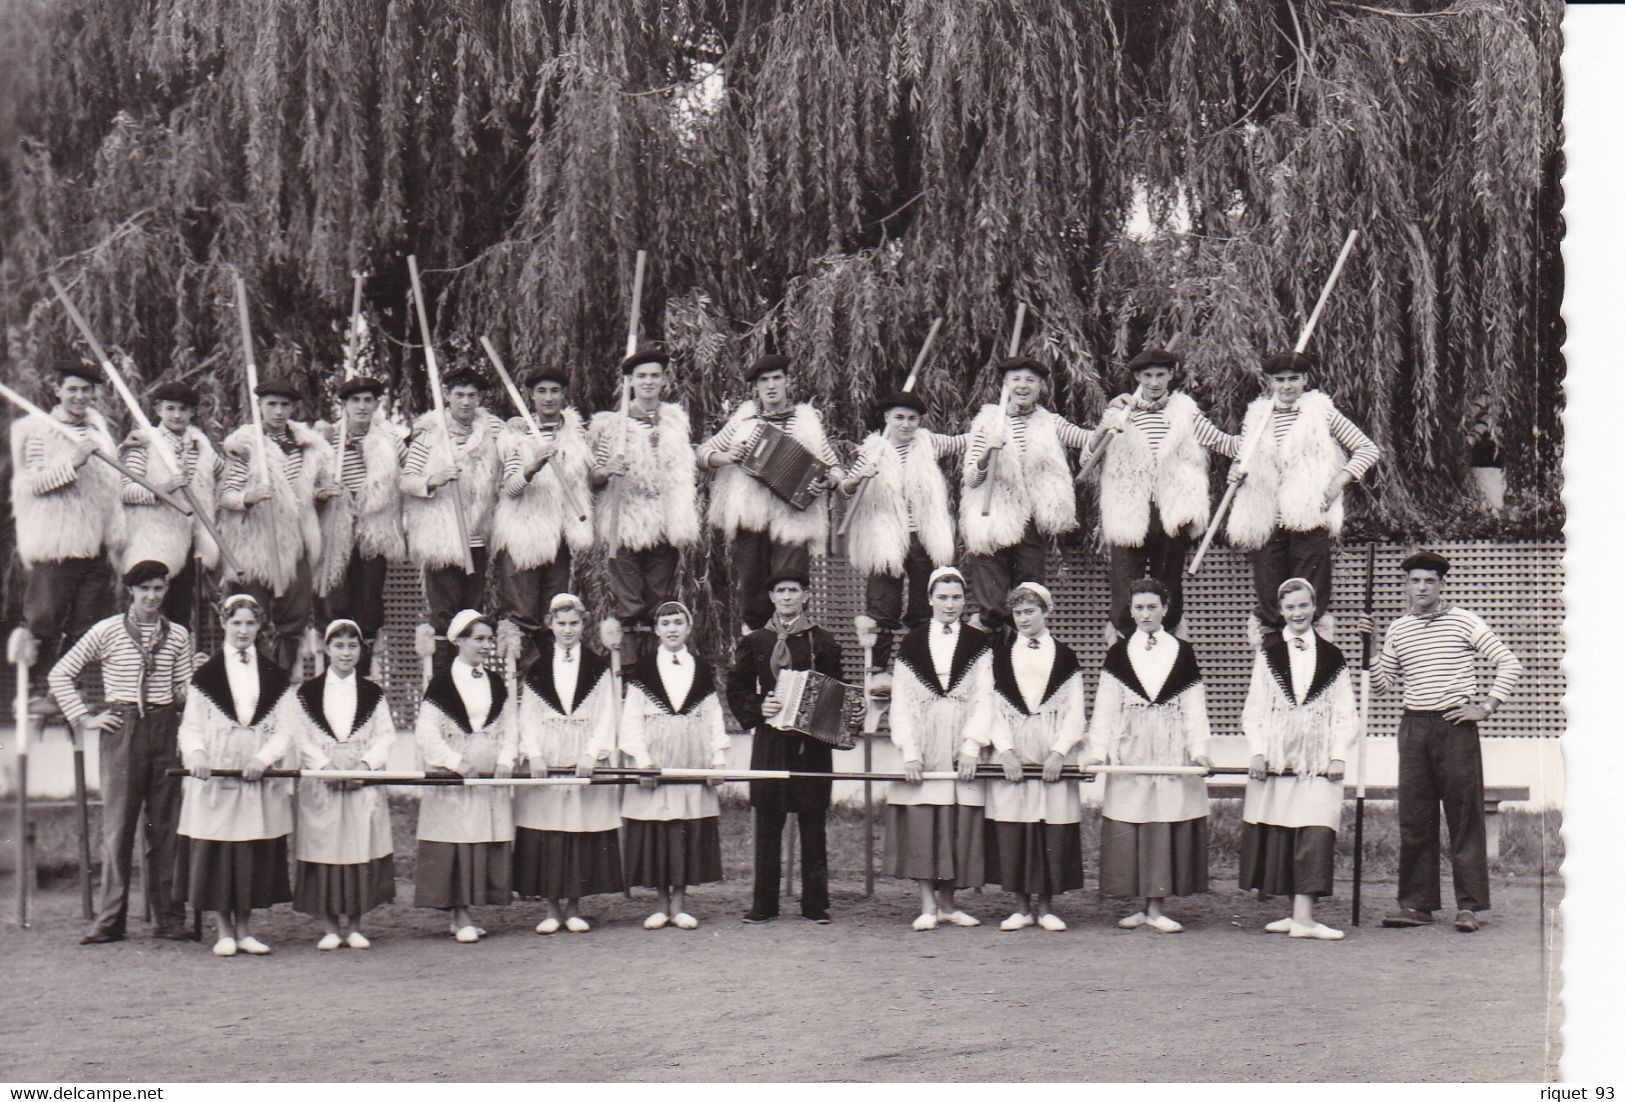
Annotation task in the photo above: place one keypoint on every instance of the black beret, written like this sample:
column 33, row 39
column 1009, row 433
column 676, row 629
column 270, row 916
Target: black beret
column 1021, row 363
column 645, row 354
column 278, row 388
column 176, row 392
column 77, row 371
column 560, row 375
column 1426, row 560
column 361, row 384
column 771, row 362
column 145, row 571
column 1287, row 361
column 797, row 576
column 462, row 376
column 900, row 399
column 1155, row 357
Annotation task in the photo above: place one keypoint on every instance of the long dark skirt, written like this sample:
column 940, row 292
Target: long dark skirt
column 567, row 864
column 1036, row 858
column 321, row 889
column 664, row 853
column 463, row 874
column 233, row 876
column 1153, row 860
column 936, row 842
column 1281, row 860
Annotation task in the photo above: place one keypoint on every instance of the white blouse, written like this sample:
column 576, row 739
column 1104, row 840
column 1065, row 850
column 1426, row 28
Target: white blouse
column 566, row 672
column 244, row 679
column 944, row 640
column 1032, row 666
column 475, row 691
column 676, row 674
column 1152, row 661
column 339, row 704
column 1301, row 659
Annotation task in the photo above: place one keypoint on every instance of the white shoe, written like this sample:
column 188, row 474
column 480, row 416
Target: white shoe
column 468, row 935
column 225, row 947
column 1052, row 923
column 548, row 926
column 576, row 925
column 959, row 918
column 1319, row 932
column 1017, row 921
column 1164, row 925
column 329, row 942
column 656, row 921
column 357, row 941
column 253, row 945
column 1279, row 926
column 926, row 921
column 1132, row 922
column 685, row 921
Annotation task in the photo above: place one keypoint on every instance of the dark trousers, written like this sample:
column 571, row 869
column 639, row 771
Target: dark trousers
column 883, row 598
column 1440, row 763
column 1289, row 554
column 287, row 616
column 133, row 761
column 769, row 830
column 991, row 576
column 640, row 580
column 754, row 558
column 1160, row 556
column 61, row 601
column 448, row 590
column 523, row 595
column 359, row 594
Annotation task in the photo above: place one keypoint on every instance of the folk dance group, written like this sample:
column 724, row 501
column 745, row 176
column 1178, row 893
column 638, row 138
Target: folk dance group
column 978, row 677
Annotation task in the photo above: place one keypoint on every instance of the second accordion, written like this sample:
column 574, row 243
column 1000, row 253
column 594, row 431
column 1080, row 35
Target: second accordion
column 819, row 706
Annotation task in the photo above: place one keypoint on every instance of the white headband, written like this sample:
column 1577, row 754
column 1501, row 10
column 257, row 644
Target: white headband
column 1036, row 590
column 942, row 572
column 328, row 632
column 566, row 600
column 461, row 622
column 659, row 612
column 1294, row 583
column 239, row 600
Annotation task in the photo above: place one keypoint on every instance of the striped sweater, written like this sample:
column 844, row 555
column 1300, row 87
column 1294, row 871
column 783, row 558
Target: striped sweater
column 109, row 643
column 1434, row 656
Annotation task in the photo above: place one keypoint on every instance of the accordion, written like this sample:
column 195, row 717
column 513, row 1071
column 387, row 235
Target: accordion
column 818, row 706
column 778, row 461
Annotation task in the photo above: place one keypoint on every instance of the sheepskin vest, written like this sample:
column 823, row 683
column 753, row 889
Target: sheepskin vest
column 156, row 531
column 1286, row 484
column 877, row 538
column 431, row 522
column 372, row 522
column 1175, row 477
column 658, row 495
column 740, row 501
column 83, row 518
column 530, row 527
column 1033, row 485
column 270, row 539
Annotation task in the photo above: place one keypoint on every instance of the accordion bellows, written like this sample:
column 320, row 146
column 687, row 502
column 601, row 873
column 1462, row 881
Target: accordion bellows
column 781, row 463
column 819, row 706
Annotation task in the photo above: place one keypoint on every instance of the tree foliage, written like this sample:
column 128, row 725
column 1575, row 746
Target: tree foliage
column 820, row 177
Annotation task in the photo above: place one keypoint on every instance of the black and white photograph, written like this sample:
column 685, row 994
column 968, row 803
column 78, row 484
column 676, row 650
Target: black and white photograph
column 802, row 541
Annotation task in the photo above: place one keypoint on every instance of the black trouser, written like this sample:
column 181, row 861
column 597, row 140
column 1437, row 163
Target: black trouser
column 992, row 576
column 62, row 600
column 286, row 616
column 182, row 596
column 133, row 761
column 1440, row 762
column 640, row 580
column 1289, row 554
column 769, row 861
column 448, row 590
column 523, row 595
column 754, row 558
column 1159, row 556
column 359, row 594
column 883, row 598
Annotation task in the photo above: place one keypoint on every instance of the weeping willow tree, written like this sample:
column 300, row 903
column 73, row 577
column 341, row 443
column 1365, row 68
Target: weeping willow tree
column 819, row 177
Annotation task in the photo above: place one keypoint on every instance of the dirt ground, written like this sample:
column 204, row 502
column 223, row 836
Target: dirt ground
column 863, row 999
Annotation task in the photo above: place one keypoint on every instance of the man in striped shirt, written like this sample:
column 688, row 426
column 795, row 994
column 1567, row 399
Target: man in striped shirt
column 1432, row 649
column 146, row 664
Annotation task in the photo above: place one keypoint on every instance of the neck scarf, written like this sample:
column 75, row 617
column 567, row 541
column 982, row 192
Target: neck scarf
column 149, row 655
column 780, row 658
column 1150, row 404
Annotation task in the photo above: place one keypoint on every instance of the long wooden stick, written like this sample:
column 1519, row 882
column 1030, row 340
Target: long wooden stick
column 908, row 388
column 253, row 370
column 992, row 468
column 81, row 804
column 24, row 833
column 352, row 349
column 530, row 423
column 1365, row 725
column 439, row 398
column 633, row 324
column 1250, row 445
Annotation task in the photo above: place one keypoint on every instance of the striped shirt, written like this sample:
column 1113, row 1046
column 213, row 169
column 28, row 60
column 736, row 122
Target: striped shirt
column 737, row 431
column 44, row 478
column 417, row 452
column 110, row 644
column 513, row 464
column 1363, row 452
column 1071, row 437
column 948, row 447
column 1435, row 658
column 1154, row 424
column 637, row 420
column 353, row 472
column 293, row 462
column 137, row 459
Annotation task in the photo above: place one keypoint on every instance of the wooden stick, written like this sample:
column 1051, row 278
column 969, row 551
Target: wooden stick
column 632, row 326
column 992, row 468
column 440, row 413
column 352, row 349
column 1365, row 726
column 254, row 406
column 1250, row 446
column 530, row 423
column 871, row 723
column 81, row 803
column 24, row 834
column 908, row 388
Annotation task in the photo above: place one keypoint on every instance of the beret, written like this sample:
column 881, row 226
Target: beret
column 1021, row 363
column 797, row 576
column 145, row 571
column 276, row 387
column 771, row 362
column 361, row 384
column 645, row 354
column 176, row 392
column 77, row 371
column 1287, row 361
column 1155, row 357
column 900, row 399
column 462, row 376
column 1426, row 560
column 547, row 374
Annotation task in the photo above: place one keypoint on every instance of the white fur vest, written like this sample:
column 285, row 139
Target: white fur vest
column 83, row 518
column 1176, row 476
column 156, row 531
column 1033, row 485
column 269, row 550
column 877, row 538
column 1286, row 484
column 431, row 522
column 740, row 501
column 530, row 527
column 372, row 523
column 659, row 501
